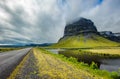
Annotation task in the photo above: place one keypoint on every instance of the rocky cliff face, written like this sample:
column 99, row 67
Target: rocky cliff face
column 81, row 26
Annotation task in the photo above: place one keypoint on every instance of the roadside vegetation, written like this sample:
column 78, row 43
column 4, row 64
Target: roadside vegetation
column 42, row 64
column 53, row 66
column 7, row 49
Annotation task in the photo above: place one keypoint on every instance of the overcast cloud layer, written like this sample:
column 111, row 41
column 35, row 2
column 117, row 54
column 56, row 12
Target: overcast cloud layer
column 40, row 21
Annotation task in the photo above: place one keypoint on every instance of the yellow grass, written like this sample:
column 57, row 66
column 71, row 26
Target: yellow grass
column 79, row 41
column 51, row 67
column 105, row 51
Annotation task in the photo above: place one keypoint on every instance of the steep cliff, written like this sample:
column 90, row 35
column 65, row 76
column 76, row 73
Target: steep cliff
column 79, row 27
column 81, row 34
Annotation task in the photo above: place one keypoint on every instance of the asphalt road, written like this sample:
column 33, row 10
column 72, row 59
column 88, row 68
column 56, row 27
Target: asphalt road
column 9, row 60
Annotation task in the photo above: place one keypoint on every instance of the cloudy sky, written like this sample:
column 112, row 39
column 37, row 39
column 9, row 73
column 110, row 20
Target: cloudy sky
column 41, row 21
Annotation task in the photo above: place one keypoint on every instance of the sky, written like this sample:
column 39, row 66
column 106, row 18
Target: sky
column 43, row 21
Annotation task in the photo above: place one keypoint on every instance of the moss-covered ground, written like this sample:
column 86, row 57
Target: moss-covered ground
column 81, row 41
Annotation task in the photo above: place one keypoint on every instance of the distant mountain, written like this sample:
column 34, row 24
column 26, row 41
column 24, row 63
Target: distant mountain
column 26, row 45
column 83, row 33
column 42, row 45
column 11, row 45
column 111, row 36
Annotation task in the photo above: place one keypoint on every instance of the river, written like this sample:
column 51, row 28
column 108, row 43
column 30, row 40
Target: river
column 104, row 64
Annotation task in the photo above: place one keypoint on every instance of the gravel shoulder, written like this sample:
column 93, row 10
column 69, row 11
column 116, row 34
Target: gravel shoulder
column 29, row 70
column 9, row 60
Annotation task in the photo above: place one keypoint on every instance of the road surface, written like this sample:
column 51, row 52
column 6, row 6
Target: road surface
column 9, row 60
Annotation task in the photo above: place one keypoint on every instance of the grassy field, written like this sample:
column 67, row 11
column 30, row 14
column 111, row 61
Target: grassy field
column 53, row 68
column 89, row 55
column 105, row 51
column 8, row 49
column 41, row 64
column 80, row 41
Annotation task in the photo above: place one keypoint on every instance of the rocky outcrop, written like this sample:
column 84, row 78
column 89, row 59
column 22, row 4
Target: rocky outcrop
column 83, row 25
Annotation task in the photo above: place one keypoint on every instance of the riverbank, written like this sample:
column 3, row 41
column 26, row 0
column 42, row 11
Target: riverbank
column 94, row 72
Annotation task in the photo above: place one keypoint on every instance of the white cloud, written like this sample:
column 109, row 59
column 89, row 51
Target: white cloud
column 44, row 20
column 106, row 16
column 74, row 7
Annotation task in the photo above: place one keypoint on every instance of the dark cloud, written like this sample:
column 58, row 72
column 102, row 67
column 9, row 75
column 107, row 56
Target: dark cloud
column 40, row 21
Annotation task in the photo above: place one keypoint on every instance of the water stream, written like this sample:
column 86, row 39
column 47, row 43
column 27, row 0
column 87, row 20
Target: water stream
column 104, row 64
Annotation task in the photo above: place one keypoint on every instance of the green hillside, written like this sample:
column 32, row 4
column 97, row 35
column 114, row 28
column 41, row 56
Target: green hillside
column 81, row 41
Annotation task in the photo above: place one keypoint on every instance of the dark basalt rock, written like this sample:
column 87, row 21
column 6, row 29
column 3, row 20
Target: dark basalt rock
column 83, row 25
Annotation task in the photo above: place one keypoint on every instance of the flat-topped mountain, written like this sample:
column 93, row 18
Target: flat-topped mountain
column 81, row 34
column 81, row 26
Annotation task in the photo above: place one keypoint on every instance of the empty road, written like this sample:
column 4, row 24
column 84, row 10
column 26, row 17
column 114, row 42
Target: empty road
column 9, row 60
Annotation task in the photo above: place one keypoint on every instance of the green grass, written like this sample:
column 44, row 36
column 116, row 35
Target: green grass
column 102, row 53
column 80, row 41
column 112, row 51
column 55, row 66
column 91, row 70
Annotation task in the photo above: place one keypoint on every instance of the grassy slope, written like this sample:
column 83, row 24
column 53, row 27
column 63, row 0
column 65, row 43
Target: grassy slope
column 52, row 66
column 79, row 41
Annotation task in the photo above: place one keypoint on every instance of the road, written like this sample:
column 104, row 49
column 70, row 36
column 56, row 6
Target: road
column 9, row 60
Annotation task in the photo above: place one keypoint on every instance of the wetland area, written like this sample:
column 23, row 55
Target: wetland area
column 104, row 61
